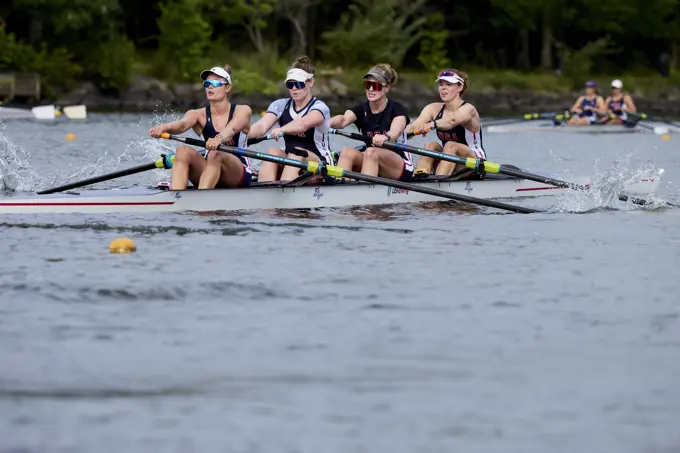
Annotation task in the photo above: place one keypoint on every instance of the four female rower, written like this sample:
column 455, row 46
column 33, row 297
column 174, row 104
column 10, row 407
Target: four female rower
column 587, row 107
column 619, row 104
column 220, row 122
column 303, row 119
column 457, row 122
column 379, row 119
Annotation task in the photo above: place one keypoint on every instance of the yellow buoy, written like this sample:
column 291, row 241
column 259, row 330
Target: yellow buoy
column 666, row 137
column 57, row 112
column 70, row 137
column 122, row 245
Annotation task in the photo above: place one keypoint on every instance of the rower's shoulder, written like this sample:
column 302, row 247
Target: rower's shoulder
column 433, row 107
column 198, row 111
column 243, row 109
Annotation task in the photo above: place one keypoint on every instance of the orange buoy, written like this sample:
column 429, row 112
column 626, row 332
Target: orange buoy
column 122, row 245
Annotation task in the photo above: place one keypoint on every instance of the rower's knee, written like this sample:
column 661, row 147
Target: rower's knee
column 276, row 152
column 452, row 149
column 350, row 153
column 371, row 153
column 431, row 145
column 214, row 158
column 184, row 154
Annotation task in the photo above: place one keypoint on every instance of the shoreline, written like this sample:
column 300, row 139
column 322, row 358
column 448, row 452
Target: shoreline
column 147, row 94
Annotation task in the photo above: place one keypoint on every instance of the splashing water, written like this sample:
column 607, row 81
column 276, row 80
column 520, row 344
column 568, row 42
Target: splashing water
column 622, row 178
column 15, row 173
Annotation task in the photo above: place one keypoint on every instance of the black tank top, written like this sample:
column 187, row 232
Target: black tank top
column 307, row 140
column 459, row 134
column 378, row 123
column 209, row 130
column 616, row 106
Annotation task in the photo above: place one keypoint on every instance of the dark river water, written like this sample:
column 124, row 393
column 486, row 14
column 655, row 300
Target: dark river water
column 414, row 329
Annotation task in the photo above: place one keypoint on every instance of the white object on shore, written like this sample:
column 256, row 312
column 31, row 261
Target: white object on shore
column 75, row 112
column 44, row 112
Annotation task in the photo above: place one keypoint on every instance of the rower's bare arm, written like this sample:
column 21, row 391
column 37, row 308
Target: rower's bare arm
column 606, row 103
column 301, row 125
column 191, row 119
column 260, row 128
column 240, row 122
column 397, row 127
column 463, row 116
column 630, row 105
column 601, row 107
column 344, row 120
column 577, row 105
column 425, row 117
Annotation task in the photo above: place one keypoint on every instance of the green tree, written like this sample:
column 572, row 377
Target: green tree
column 253, row 15
column 184, row 39
column 375, row 30
column 63, row 17
column 433, row 51
column 109, row 64
column 523, row 16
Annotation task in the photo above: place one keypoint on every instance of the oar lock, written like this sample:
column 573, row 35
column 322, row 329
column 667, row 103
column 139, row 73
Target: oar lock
column 166, row 161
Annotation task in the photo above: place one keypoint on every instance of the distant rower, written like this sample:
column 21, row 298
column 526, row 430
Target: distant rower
column 618, row 104
column 587, row 107
column 457, row 123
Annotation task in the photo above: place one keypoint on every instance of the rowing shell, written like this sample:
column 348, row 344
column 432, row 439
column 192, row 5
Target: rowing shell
column 268, row 196
column 549, row 127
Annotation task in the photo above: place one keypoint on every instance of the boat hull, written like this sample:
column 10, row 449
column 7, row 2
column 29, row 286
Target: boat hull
column 264, row 197
column 549, row 127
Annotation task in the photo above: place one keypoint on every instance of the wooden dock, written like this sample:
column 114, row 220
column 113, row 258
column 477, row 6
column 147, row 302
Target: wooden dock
column 23, row 86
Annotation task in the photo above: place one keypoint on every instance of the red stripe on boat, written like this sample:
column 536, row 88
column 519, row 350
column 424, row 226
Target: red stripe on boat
column 110, row 203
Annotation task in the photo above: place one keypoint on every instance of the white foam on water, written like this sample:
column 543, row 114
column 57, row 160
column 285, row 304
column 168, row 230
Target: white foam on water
column 623, row 177
column 15, row 172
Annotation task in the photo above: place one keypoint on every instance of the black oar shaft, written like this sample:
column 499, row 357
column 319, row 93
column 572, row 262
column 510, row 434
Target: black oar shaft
column 437, row 192
column 339, row 172
column 96, row 179
column 468, row 162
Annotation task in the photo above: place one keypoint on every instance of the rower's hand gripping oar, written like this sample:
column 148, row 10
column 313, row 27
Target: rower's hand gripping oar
column 165, row 161
column 321, row 168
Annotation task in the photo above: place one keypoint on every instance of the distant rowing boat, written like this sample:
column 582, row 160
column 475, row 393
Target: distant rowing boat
column 273, row 196
column 550, row 127
column 44, row 112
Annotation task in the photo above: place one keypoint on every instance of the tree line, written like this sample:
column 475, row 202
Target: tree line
column 107, row 40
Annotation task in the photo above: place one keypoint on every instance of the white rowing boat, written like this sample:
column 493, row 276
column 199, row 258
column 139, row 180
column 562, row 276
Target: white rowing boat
column 44, row 112
column 564, row 128
column 269, row 196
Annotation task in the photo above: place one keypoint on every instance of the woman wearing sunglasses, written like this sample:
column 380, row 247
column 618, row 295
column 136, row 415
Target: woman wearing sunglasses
column 618, row 104
column 379, row 119
column 457, row 123
column 303, row 119
column 220, row 122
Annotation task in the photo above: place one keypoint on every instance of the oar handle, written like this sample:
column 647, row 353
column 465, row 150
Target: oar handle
column 256, row 140
column 316, row 167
